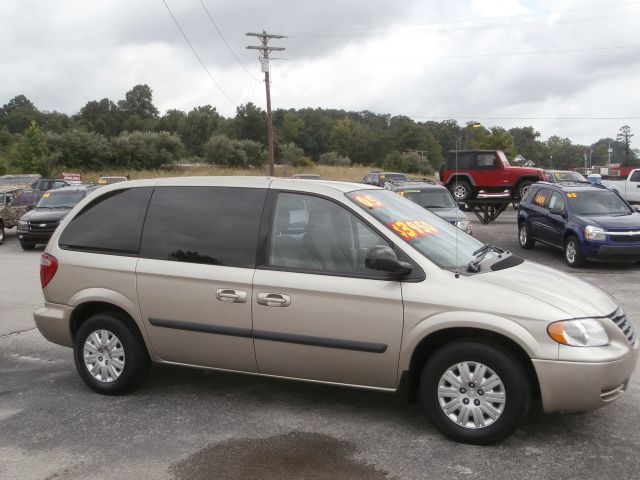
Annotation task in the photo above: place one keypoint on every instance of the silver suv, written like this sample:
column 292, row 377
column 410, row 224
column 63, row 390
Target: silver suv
column 339, row 283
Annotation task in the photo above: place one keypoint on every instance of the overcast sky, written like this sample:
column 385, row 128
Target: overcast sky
column 490, row 60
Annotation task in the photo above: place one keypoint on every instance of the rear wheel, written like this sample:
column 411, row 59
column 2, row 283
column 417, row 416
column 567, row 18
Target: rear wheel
column 461, row 190
column 110, row 357
column 524, row 236
column 572, row 254
column 475, row 392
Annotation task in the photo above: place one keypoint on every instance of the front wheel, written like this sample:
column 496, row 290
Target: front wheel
column 523, row 188
column 461, row 190
column 110, row 357
column 474, row 392
column 572, row 254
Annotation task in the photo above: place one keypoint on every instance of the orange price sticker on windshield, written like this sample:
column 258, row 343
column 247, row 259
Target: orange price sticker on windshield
column 369, row 201
column 540, row 199
column 410, row 229
column 46, row 195
column 572, row 195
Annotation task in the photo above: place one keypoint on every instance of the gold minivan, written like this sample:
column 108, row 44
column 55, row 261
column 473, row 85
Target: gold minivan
column 338, row 283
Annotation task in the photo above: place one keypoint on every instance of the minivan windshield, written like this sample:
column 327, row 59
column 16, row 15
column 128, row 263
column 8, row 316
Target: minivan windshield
column 430, row 198
column 432, row 236
column 597, row 202
column 60, row 199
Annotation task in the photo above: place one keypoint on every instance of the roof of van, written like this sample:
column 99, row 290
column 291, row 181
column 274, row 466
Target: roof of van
column 242, row 181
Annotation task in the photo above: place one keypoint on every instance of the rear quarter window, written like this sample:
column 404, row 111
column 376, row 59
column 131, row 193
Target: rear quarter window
column 112, row 223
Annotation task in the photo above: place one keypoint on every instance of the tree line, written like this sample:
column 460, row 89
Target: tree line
column 131, row 133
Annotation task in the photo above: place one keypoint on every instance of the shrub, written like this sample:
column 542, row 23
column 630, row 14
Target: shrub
column 334, row 159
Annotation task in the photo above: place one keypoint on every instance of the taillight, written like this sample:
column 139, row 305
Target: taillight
column 48, row 268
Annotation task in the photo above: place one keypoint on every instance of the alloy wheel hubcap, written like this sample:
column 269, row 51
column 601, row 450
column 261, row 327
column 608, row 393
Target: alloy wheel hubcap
column 103, row 355
column 523, row 235
column 460, row 192
column 571, row 252
column 471, row 394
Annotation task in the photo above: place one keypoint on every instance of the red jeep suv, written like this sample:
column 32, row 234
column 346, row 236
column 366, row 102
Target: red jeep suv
column 487, row 170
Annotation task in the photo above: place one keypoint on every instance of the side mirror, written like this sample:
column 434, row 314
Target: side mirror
column 636, row 208
column 462, row 206
column 30, row 207
column 383, row 258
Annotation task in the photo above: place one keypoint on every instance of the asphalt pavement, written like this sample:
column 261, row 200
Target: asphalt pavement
column 192, row 424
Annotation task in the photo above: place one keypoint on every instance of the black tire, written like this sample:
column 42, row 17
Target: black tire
column 521, row 189
column 515, row 385
column 574, row 259
column 1, row 233
column 27, row 245
column 524, row 236
column 462, row 190
column 136, row 359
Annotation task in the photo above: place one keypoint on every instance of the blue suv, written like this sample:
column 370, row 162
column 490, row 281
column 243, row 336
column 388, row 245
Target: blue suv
column 586, row 221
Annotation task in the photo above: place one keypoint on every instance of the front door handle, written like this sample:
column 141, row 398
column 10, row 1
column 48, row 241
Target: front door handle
column 274, row 299
column 231, row 296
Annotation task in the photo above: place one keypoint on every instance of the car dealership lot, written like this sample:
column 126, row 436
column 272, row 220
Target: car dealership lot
column 187, row 423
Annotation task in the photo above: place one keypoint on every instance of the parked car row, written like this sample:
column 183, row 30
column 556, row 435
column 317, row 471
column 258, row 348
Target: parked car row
column 36, row 205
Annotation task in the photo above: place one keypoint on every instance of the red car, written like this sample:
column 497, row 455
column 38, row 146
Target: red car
column 466, row 172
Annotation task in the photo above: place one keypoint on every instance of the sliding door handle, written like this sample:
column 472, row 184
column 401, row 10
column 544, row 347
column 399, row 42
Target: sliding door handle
column 274, row 299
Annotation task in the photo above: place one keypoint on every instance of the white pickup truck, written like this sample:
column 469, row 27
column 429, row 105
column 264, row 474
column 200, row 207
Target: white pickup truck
column 629, row 188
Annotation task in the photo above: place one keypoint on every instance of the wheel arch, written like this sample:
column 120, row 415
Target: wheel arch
column 429, row 344
column 462, row 176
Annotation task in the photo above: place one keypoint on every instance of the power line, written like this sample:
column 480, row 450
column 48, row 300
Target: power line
column 474, row 117
column 184, row 35
column 476, row 27
column 476, row 55
column 530, row 14
column 225, row 40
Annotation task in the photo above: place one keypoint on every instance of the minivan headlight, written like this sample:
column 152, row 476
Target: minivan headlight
column 464, row 225
column 586, row 332
column 594, row 233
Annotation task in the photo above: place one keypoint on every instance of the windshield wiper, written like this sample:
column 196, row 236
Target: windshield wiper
column 480, row 254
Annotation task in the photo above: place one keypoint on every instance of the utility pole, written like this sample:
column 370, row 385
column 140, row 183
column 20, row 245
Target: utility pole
column 264, row 61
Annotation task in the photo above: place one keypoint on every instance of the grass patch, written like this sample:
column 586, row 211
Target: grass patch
column 353, row 173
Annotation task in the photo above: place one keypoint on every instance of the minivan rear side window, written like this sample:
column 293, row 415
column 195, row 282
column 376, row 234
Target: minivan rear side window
column 112, row 223
column 208, row 225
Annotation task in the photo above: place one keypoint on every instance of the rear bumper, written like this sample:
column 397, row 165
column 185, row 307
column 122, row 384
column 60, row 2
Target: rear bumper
column 578, row 387
column 53, row 321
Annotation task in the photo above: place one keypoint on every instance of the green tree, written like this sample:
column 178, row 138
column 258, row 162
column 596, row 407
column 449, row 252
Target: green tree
column 146, row 150
column 18, row 114
column 333, row 158
column 250, row 123
column 139, row 101
column 79, row 149
column 291, row 154
column 624, row 137
column 292, row 127
column 198, row 126
column 495, row 138
column 102, row 117
column 528, row 145
column 32, row 152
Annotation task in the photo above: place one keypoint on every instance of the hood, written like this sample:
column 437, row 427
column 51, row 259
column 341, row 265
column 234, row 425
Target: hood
column 576, row 297
column 449, row 214
column 624, row 222
column 42, row 214
column 538, row 172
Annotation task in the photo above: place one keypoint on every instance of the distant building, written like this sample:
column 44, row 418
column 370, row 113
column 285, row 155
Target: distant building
column 523, row 162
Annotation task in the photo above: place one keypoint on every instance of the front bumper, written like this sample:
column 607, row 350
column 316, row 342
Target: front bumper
column 32, row 237
column 53, row 321
column 611, row 250
column 580, row 386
